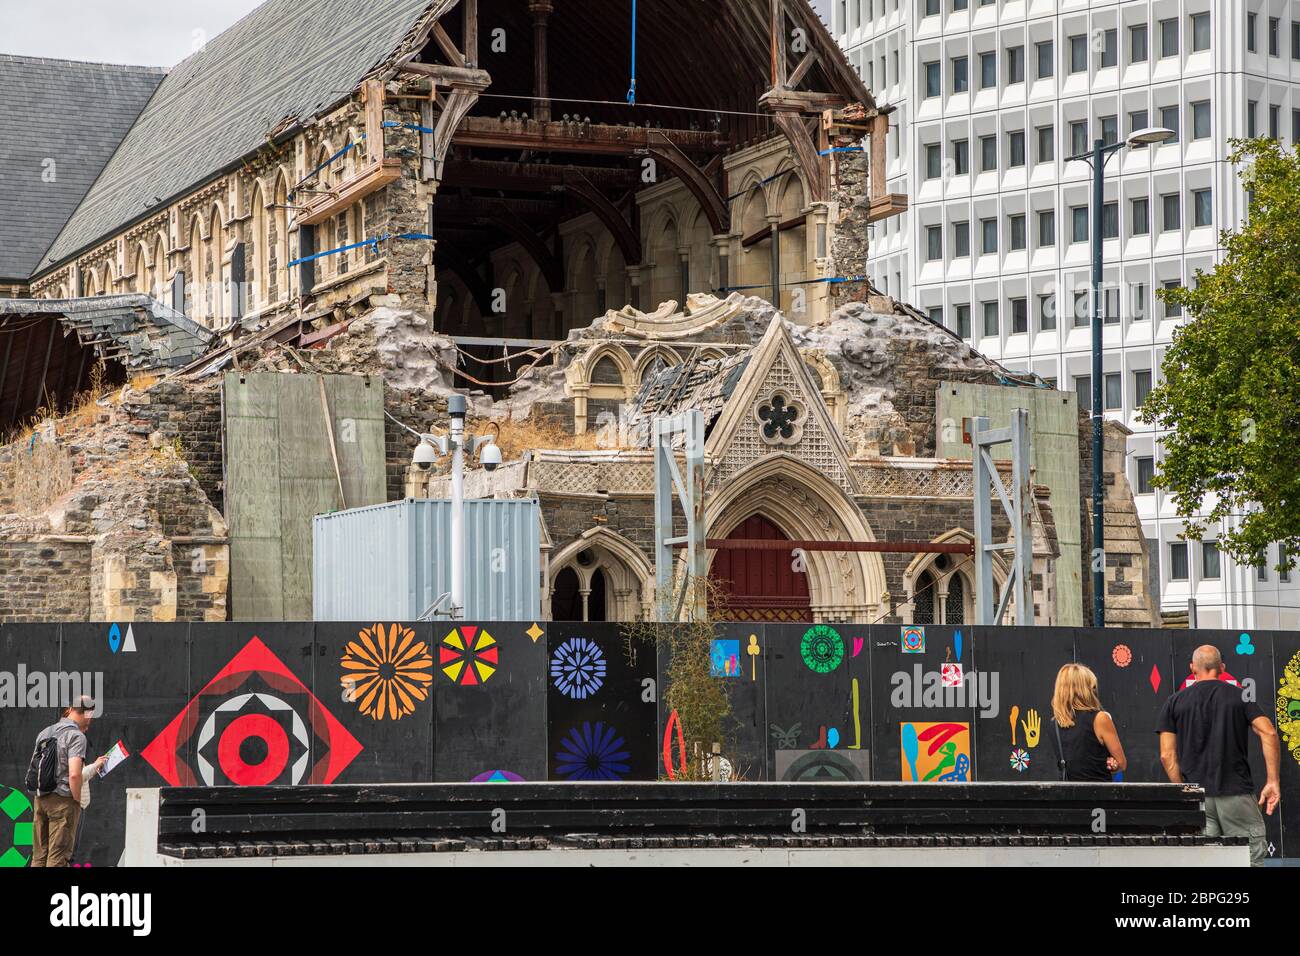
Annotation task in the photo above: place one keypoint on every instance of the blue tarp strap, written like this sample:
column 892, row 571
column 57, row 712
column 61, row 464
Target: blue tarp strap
column 390, row 124
column 357, row 245
column 841, row 149
column 327, row 162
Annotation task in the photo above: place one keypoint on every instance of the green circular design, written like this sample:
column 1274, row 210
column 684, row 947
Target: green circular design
column 15, row 828
column 822, row 648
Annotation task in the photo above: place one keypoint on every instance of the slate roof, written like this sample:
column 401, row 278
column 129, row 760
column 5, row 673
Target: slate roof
column 136, row 330
column 705, row 384
column 285, row 62
column 75, row 114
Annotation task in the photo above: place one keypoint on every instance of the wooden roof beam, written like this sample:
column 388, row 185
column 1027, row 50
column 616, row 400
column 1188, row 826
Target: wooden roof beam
column 558, row 136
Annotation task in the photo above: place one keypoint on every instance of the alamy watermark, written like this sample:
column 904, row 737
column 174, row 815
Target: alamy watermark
column 50, row 689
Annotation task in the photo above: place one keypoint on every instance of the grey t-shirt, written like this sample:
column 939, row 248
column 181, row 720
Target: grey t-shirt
column 72, row 743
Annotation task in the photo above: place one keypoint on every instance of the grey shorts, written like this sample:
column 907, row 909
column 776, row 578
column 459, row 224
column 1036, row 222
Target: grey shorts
column 1238, row 815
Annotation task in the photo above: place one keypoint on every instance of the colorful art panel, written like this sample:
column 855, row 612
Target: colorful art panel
column 146, row 682
column 907, row 688
column 744, row 727
column 1132, row 692
column 495, row 722
column 1013, row 671
column 379, row 679
column 935, row 751
column 808, row 694
column 601, row 715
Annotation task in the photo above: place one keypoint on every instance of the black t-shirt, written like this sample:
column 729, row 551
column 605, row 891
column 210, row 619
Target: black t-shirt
column 1212, row 724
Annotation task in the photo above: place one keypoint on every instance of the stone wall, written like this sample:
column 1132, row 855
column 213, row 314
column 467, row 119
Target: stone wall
column 46, row 578
column 191, row 415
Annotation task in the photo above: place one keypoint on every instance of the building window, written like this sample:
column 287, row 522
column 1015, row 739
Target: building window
column 1083, row 392
column 933, row 161
column 1146, row 471
column 1016, row 148
column 1015, row 64
column 1137, row 43
column 1274, row 42
column 958, row 5
column 990, row 319
column 1016, row 226
column 931, row 8
column 1250, row 31
column 1274, row 121
column 988, row 153
column 1178, row 561
column 1201, row 120
column 1078, row 54
column 1295, row 40
column 1169, row 120
column 1284, row 573
column 1141, row 216
column 1137, row 120
column 963, row 321
column 1172, row 309
column 1209, row 559
column 1079, row 224
column 1200, row 32
column 1171, row 213
column 988, row 236
column 1295, row 127
column 1168, row 38
column 1110, row 48
column 1019, row 316
column 1140, row 301
column 1081, row 316
column 1047, row 312
column 961, row 156
column 1110, row 220
column 1252, row 128
column 1046, row 59
column 1047, row 228
column 988, row 70
column 1141, row 386
column 936, row 314
column 1261, row 570
column 1110, row 130
column 1046, row 144
column 1078, row 137
column 933, row 85
column 933, row 243
column 1203, row 207
column 1114, row 393
column 960, row 240
column 1110, row 313
column 960, row 74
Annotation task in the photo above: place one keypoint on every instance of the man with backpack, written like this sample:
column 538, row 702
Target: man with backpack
column 56, row 775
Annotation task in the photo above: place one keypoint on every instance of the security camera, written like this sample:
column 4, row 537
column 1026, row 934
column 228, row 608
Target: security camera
column 491, row 457
column 424, row 456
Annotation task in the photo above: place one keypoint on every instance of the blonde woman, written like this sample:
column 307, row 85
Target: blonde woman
column 1089, row 744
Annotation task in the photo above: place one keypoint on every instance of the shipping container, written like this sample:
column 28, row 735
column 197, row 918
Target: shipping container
column 393, row 561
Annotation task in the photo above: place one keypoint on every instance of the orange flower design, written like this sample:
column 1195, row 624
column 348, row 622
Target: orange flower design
column 387, row 672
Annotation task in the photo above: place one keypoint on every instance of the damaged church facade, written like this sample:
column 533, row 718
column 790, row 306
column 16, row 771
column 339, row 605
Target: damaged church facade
column 461, row 187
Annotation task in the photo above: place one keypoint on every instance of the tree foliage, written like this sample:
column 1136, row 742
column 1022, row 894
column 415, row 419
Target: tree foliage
column 1231, row 379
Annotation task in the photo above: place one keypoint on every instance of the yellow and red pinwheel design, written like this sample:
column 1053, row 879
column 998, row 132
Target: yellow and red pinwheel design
column 469, row 655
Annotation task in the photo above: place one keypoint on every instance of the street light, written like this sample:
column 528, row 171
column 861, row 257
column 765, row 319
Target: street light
column 455, row 442
column 1101, row 152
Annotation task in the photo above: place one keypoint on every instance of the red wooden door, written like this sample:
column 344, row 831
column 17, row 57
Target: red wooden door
column 759, row 585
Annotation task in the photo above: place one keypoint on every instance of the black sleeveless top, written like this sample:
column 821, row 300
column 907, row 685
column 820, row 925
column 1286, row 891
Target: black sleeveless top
column 1085, row 755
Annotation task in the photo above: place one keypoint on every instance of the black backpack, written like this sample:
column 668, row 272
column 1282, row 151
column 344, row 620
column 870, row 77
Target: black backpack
column 43, row 771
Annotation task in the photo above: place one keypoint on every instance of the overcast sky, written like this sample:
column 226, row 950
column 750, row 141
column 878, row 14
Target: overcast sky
column 144, row 32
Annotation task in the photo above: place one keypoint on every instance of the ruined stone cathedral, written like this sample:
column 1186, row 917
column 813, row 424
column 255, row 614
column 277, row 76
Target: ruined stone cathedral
column 339, row 211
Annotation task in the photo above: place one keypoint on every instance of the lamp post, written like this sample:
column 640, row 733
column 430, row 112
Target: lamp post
column 455, row 443
column 1097, row 158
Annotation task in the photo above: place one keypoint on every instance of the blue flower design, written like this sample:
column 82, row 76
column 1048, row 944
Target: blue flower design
column 593, row 752
column 578, row 668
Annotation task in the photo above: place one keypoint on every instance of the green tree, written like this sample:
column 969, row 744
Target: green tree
column 1231, row 388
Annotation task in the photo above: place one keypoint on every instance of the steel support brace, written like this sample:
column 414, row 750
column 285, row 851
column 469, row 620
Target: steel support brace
column 1019, row 585
column 689, row 493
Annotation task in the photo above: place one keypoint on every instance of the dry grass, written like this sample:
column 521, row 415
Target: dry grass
column 81, row 414
column 529, row 434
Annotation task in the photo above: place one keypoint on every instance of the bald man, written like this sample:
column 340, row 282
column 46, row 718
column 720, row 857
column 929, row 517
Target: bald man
column 1203, row 740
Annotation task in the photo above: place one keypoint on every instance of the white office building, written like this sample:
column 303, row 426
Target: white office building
column 992, row 96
